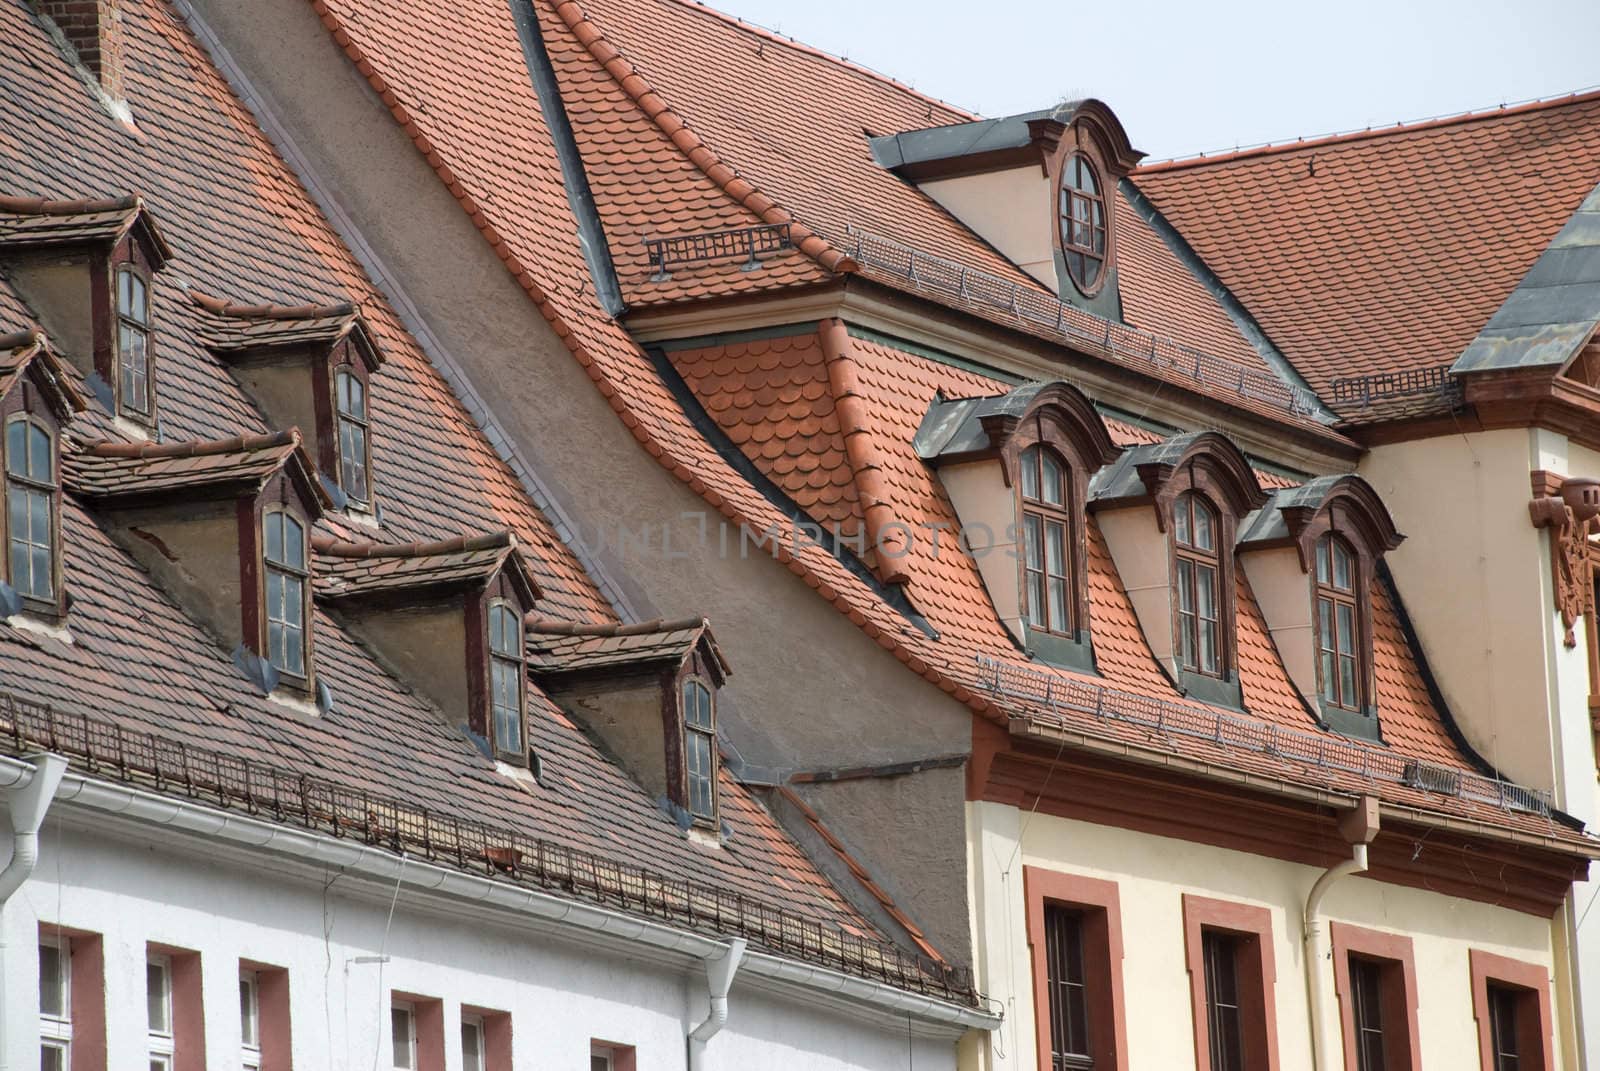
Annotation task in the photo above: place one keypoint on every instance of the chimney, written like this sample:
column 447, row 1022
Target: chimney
column 94, row 30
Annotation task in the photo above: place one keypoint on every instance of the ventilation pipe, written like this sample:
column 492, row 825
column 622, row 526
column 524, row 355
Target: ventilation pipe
column 719, row 979
column 30, row 792
column 1358, row 827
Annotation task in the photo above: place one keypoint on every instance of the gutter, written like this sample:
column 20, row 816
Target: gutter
column 31, row 784
column 719, row 979
column 379, row 865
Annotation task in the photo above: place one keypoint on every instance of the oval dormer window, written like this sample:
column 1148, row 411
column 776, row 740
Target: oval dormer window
column 1083, row 222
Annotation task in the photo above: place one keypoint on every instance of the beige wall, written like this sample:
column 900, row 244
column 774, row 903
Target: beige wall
column 1010, row 210
column 1144, row 562
column 1283, row 591
column 808, row 689
column 987, row 512
column 1153, row 874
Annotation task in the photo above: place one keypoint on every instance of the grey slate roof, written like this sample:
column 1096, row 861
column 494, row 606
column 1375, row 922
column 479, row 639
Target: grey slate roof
column 1120, row 479
column 953, row 427
column 1554, row 310
column 958, row 140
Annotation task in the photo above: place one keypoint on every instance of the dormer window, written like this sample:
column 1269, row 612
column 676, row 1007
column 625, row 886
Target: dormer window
column 700, row 748
column 1194, row 537
column 354, row 457
column 288, row 592
column 1338, row 617
column 134, row 373
column 508, row 675
column 32, row 496
column 1046, row 522
column 1082, row 222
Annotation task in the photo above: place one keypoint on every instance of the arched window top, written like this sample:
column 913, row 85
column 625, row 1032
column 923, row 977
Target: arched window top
column 1337, row 566
column 1194, row 523
column 1044, row 476
column 30, row 450
column 133, row 295
column 1082, row 222
column 286, row 540
column 505, row 630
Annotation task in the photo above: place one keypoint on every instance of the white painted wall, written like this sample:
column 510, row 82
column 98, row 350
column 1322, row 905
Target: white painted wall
column 228, row 907
column 1153, row 873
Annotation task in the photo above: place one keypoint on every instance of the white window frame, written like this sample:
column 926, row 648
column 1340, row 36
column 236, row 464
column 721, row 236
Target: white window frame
column 55, row 1031
column 250, row 1039
column 161, row 1043
column 476, row 1023
column 411, row 1041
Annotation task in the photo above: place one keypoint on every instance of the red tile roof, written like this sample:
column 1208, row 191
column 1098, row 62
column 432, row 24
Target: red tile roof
column 351, row 570
column 109, row 471
column 138, row 660
column 27, row 222
column 1387, row 249
column 558, row 648
column 23, row 350
column 754, row 97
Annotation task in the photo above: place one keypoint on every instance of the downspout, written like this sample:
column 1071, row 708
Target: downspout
column 1359, row 827
column 719, row 979
column 31, row 794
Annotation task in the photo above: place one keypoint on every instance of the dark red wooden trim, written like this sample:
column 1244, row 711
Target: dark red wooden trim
column 1101, row 906
column 1535, row 1024
column 1402, row 1047
column 1257, row 975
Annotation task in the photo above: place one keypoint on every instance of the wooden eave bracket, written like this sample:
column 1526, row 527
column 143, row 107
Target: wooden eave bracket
column 1566, row 508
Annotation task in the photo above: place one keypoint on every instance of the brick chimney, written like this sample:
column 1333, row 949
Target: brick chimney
column 94, row 29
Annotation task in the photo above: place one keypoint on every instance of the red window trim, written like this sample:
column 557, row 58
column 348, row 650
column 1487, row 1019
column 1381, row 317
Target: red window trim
column 1100, row 901
column 273, row 1021
column 1486, row 968
column 496, row 1036
column 188, row 1005
column 86, row 994
column 427, row 1019
column 1402, row 1050
column 1257, row 978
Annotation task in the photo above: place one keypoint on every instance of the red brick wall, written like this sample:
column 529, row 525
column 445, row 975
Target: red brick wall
column 94, row 29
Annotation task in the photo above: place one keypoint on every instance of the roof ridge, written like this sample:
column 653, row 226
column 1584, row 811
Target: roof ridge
column 340, row 548
column 877, row 511
column 268, row 311
column 40, row 206
column 1181, row 163
column 552, row 627
column 848, row 64
column 238, row 444
column 653, row 104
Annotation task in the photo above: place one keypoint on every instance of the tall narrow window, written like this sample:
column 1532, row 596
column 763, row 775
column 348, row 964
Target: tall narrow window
column 506, row 676
column 1366, row 991
column 55, row 1005
column 158, row 1012
column 403, row 1037
column 286, row 589
column 133, row 342
column 1069, row 1008
column 1046, row 532
column 472, row 1043
column 1194, row 533
column 1223, row 1012
column 31, row 489
column 249, row 1021
column 1504, row 1027
column 700, row 748
column 1083, row 222
column 1338, row 664
column 354, row 451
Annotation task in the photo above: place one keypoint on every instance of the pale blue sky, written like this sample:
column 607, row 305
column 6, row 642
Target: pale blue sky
column 1188, row 76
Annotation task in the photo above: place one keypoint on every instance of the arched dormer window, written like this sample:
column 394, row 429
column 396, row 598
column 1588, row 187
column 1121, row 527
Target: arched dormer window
column 1047, row 565
column 1195, row 539
column 1082, row 222
column 135, row 375
column 700, row 748
column 288, row 593
column 1341, row 647
column 508, row 677
column 355, row 450
column 32, row 496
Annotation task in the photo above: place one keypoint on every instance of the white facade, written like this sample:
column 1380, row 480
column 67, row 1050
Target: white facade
column 565, row 984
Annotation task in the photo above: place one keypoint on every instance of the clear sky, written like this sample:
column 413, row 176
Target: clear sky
column 1189, row 76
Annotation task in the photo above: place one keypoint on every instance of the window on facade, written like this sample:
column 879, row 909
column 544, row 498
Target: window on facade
column 700, row 748
column 249, row 1021
column 133, row 343
column 1366, row 994
column 1046, row 533
column 403, row 1037
column 1068, row 991
column 472, row 1043
column 287, row 586
column 1223, row 1013
column 354, row 433
column 1195, row 536
column 158, row 1012
column 1505, row 1028
column 506, row 677
column 1338, row 662
column 1083, row 222
column 31, row 508
column 55, row 1005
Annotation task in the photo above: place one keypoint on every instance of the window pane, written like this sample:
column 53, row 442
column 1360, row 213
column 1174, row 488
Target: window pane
column 471, row 1047
column 294, row 542
column 1209, row 662
column 274, row 527
column 1069, row 1019
column 1322, row 560
column 1056, row 549
column 1204, row 537
column 1342, row 568
column 1030, row 472
column 40, row 583
column 1207, row 591
column 400, row 1036
column 138, row 307
column 158, row 1005
column 1033, row 531
column 1185, row 586
column 1347, row 629
column 125, row 293
column 16, row 447
column 1180, row 523
column 52, row 982
column 39, row 454
column 1036, row 599
column 1052, row 480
